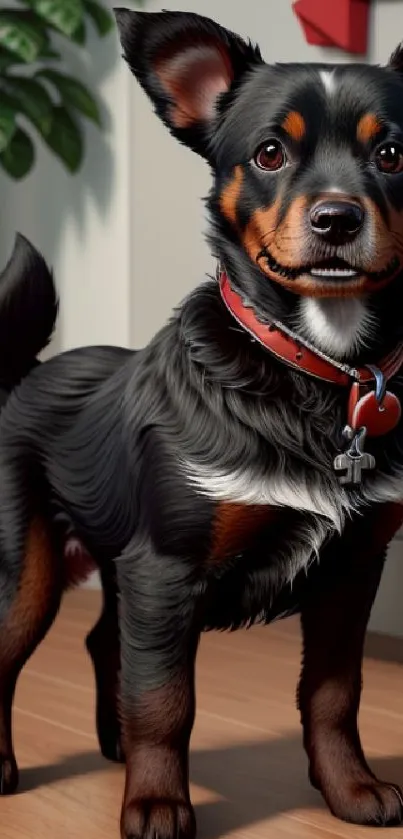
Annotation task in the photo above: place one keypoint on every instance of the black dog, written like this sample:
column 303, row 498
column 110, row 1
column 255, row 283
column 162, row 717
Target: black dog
column 208, row 472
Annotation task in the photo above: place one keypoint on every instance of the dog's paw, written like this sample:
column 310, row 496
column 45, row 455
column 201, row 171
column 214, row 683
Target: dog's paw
column 158, row 818
column 375, row 803
column 8, row 775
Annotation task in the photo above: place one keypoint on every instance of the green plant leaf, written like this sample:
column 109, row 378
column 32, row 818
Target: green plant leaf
column 8, row 125
column 73, row 94
column 65, row 139
column 8, row 59
column 80, row 35
column 19, row 156
column 32, row 99
column 101, row 18
column 19, row 36
column 64, row 15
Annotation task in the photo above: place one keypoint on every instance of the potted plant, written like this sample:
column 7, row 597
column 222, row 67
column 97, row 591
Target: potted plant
column 36, row 89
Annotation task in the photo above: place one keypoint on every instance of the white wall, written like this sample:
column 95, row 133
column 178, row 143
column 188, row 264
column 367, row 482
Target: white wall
column 125, row 236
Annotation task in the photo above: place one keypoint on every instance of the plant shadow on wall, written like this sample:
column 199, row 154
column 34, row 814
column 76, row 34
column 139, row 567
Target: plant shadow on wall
column 54, row 57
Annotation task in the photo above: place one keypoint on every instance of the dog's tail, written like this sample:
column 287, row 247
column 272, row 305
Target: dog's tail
column 28, row 312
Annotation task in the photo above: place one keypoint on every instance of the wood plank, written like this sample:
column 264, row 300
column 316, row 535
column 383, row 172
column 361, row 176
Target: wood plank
column 248, row 769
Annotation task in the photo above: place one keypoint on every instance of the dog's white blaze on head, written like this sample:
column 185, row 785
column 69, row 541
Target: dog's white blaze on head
column 328, row 80
column 336, row 326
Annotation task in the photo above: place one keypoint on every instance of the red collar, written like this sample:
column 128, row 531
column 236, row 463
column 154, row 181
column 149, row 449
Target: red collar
column 286, row 348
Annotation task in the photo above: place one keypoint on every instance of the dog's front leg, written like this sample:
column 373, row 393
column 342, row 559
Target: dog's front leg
column 158, row 647
column 334, row 620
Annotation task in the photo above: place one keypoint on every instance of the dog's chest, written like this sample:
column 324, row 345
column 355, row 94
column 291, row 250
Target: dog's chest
column 248, row 487
column 248, row 502
column 306, row 490
column 236, row 528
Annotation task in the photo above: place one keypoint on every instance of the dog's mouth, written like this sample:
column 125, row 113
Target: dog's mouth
column 332, row 270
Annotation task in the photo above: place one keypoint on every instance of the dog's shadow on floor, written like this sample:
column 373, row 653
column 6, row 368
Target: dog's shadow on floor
column 258, row 781
column 252, row 782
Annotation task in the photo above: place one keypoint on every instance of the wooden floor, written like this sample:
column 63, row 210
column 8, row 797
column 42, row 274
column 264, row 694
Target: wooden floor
column 248, row 768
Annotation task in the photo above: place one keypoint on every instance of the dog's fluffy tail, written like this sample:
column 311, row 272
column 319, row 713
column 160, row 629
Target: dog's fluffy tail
column 28, row 312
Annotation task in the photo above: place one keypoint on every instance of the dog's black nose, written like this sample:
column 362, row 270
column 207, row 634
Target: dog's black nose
column 336, row 221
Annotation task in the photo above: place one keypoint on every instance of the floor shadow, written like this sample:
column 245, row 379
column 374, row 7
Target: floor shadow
column 389, row 769
column 72, row 766
column 259, row 781
column 254, row 781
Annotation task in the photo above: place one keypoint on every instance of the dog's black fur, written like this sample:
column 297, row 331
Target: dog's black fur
column 140, row 452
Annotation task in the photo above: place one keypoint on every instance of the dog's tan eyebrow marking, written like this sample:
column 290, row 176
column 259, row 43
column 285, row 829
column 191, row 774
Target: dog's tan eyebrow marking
column 230, row 196
column 368, row 127
column 294, row 125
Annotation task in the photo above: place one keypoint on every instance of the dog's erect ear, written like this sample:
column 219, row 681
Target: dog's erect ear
column 184, row 62
column 396, row 59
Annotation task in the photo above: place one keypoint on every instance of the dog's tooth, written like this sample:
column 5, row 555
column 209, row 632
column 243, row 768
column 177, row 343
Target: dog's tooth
column 334, row 272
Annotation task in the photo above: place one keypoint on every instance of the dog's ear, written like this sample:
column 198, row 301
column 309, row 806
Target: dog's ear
column 396, row 59
column 184, row 63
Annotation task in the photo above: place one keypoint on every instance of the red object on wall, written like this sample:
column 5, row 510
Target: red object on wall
column 335, row 23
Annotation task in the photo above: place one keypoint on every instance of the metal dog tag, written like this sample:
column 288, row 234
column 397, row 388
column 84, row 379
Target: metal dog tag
column 350, row 465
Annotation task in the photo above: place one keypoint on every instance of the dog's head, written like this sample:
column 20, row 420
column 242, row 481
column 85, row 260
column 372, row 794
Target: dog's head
column 307, row 199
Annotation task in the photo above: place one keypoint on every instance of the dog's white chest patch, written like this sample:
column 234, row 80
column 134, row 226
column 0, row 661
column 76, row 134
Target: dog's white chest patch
column 304, row 539
column 242, row 486
column 383, row 489
column 329, row 501
column 303, row 542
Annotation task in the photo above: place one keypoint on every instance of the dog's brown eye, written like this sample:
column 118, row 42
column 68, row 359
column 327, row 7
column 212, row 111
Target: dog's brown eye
column 389, row 158
column 270, row 156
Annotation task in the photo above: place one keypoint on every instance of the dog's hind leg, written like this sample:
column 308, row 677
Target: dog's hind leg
column 29, row 599
column 104, row 648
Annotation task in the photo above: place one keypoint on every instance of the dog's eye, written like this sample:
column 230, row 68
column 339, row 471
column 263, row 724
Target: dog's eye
column 271, row 156
column 389, row 158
